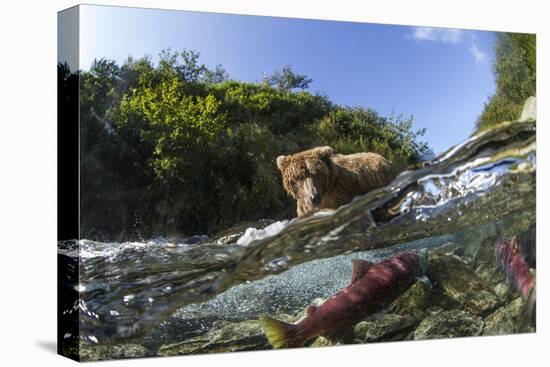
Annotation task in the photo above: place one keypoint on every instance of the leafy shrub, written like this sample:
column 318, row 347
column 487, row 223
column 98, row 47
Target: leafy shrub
column 515, row 74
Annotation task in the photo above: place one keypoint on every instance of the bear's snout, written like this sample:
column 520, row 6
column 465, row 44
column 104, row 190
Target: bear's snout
column 315, row 198
column 312, row 195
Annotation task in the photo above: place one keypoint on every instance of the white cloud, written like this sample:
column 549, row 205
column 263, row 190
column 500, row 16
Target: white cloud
column 449, row 35
column 445, row 35
column 479, row 56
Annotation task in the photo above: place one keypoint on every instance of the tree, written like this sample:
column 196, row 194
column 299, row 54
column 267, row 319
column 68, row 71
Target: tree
column 217, row 75
column 286, row 80
column 515, row 74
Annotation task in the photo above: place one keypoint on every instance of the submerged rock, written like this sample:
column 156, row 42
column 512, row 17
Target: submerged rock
column 413, row 301
column 457, row 286
column 91, row 352
column 224, row 336
column 503, row 292
column 485, row 254
column 391, row 327
column 490, row 275
column 480, row 302
column 451, row 248
column 473, row 238
column 434, row 310
column 503, row 320
column 449, row 324
column 323, row 342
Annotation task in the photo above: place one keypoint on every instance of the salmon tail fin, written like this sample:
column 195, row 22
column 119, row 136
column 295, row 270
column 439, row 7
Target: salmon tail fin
column 528, row 314
column 278, row 333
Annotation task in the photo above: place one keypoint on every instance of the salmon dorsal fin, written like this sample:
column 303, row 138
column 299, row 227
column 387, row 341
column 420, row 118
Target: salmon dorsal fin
column 359, row 268
column 310, row 310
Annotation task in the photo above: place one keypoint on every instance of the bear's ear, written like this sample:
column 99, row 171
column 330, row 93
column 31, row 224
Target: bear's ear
column 282, row 161
column 325, row 152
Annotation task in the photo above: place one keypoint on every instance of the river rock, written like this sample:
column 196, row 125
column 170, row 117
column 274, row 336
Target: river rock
column 456, row 285
column 91, row 352
column 434, row 310
column 414, row 301
column 224, row 336
column 490, row 275
column 391, row 327
column 449, row 324
column 322, row 342
column 472, row 238
column 503, row 320
column 451, row 248
column 503, row 292
column 480, row 302
column 485, row 254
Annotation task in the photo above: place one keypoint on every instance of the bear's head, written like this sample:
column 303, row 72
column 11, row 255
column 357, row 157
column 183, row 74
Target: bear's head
column 307, row 176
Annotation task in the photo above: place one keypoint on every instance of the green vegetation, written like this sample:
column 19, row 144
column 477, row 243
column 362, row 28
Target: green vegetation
column 515, row 73
column 178, row 148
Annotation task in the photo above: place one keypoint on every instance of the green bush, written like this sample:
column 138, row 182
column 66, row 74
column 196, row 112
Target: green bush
column 351, row 130
column 515, row 74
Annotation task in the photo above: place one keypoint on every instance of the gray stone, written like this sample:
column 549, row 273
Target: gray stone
column 449, row 324
column 472, row 238
column 434, row 310
column 490, row 275
column 391, row 327
column 480, row 302
column 322, row 342
column 452, row 276
column 413, row 301
column 503, row 292
column 503, row 320
column 485, row 254
column 224, row 336
column 456, row 285
column 92, row 352
column 451, row 248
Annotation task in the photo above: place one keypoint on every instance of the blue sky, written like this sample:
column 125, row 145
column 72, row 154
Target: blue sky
column 440, row 76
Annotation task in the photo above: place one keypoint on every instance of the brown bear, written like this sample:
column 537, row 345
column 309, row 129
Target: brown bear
column 319, row 179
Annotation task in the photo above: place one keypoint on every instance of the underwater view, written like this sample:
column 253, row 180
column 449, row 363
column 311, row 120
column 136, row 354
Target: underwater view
column 221, row 214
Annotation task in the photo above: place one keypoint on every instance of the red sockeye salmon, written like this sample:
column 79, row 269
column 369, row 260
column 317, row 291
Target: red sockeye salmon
column 373, row 287
column 510, row 259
